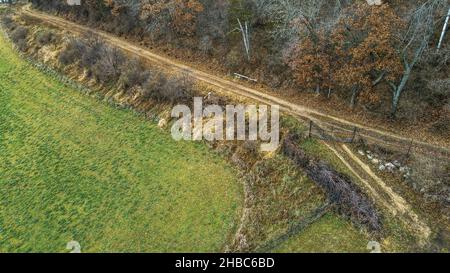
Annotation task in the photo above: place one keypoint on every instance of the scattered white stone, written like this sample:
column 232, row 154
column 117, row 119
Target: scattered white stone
column 374, row 2
column 370, row 157
column 390, row 167
column 74, row 2
column 397, row 164
column 162, row 123
column 375, row 161
column 404, row 169
column 360, row 152
column 382, row 168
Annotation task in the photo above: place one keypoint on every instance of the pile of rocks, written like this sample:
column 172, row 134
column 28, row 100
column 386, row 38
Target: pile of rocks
column 386, row 165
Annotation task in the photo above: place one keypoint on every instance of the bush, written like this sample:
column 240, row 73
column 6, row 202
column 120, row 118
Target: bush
column 133, row 74
column 107, row 65
column 20, row 33
column 72, row 52
column 19, row 36
column 178, row 89
column 173, row 89
column 101, row 61
column 8, row 22
column 441, row 127
column 44, row 37
column 154, row 85
column 22, row 45
column 438, row 92
column 92, row 52
column 233, row 60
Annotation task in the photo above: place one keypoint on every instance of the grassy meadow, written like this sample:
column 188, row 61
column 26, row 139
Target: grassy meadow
column 331, row 233
column 75, row 168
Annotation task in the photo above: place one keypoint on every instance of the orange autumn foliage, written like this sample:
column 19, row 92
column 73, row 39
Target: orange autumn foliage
column 360, row 49
column 181, row 14
column 312, row 63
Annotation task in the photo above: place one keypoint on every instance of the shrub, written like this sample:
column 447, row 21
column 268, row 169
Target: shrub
column 442, row 126
column 101, row 61
column 108, row 61
column 44, row 37
column 87, row 50
column 22, row 44
column 132, row 74
column 438, row 92
column 154, row 85
column 92, row 52
column 20, row 33
column 8, row 22
column 233, row 60
column 205, row 45
column 19, row 36
column 297, row 155
column 72, row 52
column 178, row 88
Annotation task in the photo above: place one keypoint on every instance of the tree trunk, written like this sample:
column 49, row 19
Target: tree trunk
column 443, row 30
column 397, row 92
column 355, row 93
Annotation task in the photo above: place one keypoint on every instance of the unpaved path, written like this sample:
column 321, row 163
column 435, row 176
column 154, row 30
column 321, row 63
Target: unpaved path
column 381, row 192
column 374, row 135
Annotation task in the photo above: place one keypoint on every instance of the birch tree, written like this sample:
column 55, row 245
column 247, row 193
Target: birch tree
column 245, row 37
column 415, row 40
column 444, row 29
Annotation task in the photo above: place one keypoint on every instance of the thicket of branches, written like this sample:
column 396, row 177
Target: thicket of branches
column 366, row 54
column 347, row 197
column 109, row 66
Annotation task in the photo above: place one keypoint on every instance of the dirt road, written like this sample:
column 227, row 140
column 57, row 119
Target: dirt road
column 373, row 135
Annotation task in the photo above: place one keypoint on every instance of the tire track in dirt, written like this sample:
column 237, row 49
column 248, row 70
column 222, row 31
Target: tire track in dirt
column 226, row 86
column 381, row 192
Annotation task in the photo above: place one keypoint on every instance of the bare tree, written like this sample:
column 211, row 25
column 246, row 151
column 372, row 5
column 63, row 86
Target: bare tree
column 245, row 37
column 444, row 29
column 414, row 43
column 293, row 18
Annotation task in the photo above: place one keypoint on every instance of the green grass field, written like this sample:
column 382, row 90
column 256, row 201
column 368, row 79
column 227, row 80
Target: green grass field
column 330, row 233
column 75, row 168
